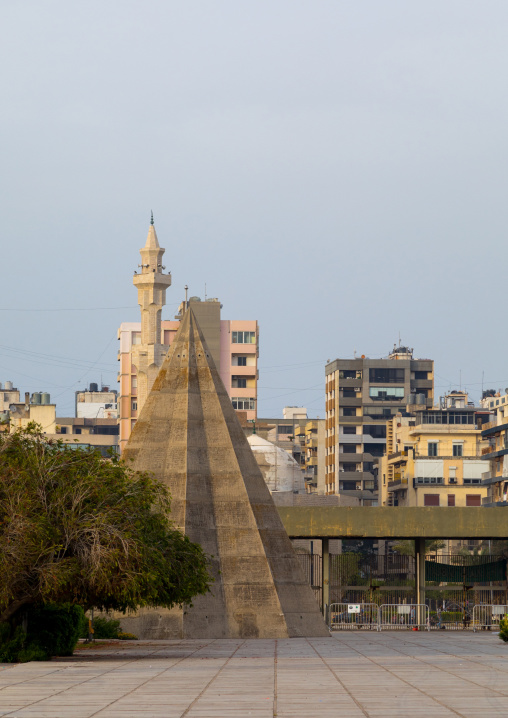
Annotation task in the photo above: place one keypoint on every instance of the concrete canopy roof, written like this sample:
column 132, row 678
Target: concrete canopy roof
column 386, row 522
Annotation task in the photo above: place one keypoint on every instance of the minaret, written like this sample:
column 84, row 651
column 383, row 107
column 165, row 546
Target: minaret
column 151, row 284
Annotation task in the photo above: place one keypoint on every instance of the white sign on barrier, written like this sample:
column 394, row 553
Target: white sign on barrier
column 353, row 608
column 404, row 609
column 498, row 610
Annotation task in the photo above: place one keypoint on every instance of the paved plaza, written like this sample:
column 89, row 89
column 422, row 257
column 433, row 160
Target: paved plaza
column 352, row 674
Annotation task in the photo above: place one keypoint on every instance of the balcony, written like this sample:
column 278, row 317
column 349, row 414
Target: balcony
column 489, row 478
column 350, row 401
column 397, row 485
column 311, row 443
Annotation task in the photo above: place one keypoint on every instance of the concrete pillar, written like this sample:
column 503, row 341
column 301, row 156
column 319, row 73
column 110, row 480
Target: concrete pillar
column 420, row 576
column 325, row 569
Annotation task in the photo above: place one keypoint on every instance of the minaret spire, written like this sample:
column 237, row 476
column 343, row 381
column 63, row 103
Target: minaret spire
column 151, row 284
column 151, row 217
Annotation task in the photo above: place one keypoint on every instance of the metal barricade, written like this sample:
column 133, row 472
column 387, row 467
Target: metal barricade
column 351, row 616
column 409, row 616
column 487, row 616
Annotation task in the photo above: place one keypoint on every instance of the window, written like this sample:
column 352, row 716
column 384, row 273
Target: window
column 350, row 374
column 241, row 361
column 432, row 448
column 77, row 430
column 134, row 382
column 457, row 449
column 421, row 375
column 368, row 485
column 431, row 499
column 386, row 393
column 451, row 499
column 391, row 376
column 244, row 337
column 374, row 430
column 349, row 449
column 349, row 393
column 473, row 499
column 379, row 412
column 349, row 430
column 347, row 411
column 349, row 467
column 63, row 430
column 348, row 485
column 136, row 337
column 239, row 382
column 134, row 406
column 285, row 429
column 242, row 404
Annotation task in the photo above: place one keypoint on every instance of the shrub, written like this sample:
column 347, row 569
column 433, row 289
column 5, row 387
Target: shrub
column 55, row 628
column 123, row 636
column 503, row 629
column 52, row 630
column 105, row 627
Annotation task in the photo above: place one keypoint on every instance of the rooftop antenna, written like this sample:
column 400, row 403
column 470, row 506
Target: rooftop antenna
column 205, row 291
column 151, row 217
column 399, row 337
column 186, row 290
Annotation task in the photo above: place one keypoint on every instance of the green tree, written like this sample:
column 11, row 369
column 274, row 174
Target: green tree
column 407, row 547
column 77, row 529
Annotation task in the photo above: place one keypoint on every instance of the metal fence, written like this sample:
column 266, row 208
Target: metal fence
column 396, row 616
column 350, row 616
column 486, row 617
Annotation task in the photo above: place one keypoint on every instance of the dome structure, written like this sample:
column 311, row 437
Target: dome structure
column 280, row 471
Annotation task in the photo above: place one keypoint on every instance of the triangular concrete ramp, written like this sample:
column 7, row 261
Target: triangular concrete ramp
column 188, row 435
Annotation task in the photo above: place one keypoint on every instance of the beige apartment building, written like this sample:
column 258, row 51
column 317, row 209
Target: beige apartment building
column 361, row 395
column 434, row 456
column 495, row 450
column 233, row 344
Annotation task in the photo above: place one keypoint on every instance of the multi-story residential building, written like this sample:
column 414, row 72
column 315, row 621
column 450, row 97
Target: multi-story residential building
column 361, row 395
column 8, row 395
column 495, row 432
column 434, row 456
column 233, row 344
column 312, row 438
column 94, row 404
column 35, row 409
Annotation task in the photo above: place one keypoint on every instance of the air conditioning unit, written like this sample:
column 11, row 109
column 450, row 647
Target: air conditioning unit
column 358, row 388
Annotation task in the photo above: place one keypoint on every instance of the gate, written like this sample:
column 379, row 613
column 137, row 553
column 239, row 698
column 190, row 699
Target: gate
column 487, row 616
column 393, row 616
column 350, row 616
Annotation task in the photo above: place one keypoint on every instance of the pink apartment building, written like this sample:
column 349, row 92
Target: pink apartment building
column 233, row 344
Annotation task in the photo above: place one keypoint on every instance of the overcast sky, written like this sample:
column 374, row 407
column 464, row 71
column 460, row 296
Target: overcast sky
column 335, row 170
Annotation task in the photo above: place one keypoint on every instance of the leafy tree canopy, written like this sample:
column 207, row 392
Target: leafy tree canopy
column 76, row 528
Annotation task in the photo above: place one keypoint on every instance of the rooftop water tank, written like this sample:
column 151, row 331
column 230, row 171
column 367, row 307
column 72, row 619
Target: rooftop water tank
column 94, row 387
column 8, row 386
column 45, row 398
column 36, row 397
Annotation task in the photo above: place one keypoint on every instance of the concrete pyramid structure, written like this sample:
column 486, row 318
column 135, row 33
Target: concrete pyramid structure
column 189, row 436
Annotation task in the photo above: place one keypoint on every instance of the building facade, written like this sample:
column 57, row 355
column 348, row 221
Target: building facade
column 434, row 456
column 94, row 404
column 361, row 395
column 495, row 450
column 233, row 344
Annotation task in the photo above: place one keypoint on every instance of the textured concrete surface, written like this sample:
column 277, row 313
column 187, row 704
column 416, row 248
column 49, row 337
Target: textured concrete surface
column 352, row 675
column 380, row 522
column 188, row 435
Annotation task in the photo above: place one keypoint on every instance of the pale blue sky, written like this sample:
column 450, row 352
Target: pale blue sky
column 336, row 170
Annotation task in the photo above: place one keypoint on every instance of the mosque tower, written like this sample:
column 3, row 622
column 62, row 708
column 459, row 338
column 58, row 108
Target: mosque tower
column 151, row 283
